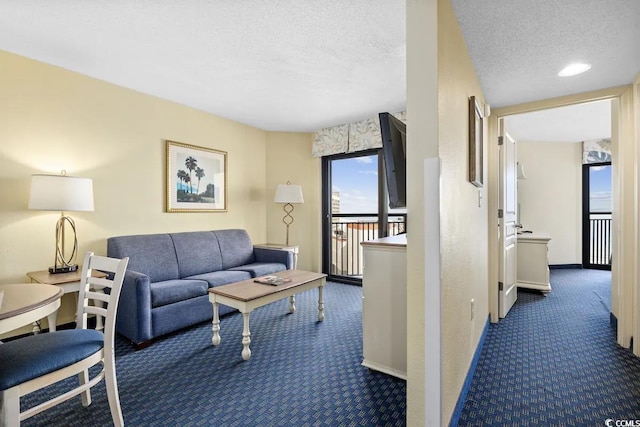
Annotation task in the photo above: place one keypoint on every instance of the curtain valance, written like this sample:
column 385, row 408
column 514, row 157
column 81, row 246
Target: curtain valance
column 596, row 151
column 350, row 137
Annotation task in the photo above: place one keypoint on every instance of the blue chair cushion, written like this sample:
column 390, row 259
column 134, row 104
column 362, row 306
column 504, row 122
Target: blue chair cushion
column 218, row 278
column 172, row 291
column 260, row 268
column 31, row 357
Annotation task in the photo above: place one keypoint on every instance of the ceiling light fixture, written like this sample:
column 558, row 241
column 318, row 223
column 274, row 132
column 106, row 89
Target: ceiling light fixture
column 574, row 69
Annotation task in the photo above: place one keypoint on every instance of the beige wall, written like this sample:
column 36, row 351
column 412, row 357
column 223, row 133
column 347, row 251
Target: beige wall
column 464, row 244
column 437, row 110
column 289, row 154
column 53, row 119
column 552, row 203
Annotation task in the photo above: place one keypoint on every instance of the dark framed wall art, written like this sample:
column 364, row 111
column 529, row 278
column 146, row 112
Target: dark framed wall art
column 475, row 142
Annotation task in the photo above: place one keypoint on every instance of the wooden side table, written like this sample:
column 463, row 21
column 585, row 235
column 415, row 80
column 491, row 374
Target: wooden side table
column 68, row 282
column 291, row 248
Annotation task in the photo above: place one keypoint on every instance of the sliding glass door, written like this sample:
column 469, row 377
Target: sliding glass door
column 596, row 215
column 354, row 210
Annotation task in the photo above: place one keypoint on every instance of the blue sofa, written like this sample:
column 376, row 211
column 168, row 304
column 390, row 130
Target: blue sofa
column 167, row 280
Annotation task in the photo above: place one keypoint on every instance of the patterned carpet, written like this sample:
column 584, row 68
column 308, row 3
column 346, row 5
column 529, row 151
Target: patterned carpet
column 301, row 373
column 553, row 361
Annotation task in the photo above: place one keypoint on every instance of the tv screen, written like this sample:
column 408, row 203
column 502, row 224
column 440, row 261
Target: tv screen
column 394, row 144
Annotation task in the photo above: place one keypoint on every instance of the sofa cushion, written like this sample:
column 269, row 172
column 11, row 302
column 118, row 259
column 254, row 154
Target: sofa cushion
column 197, row 252
column 218, row 278
column 171, row 291
column 260, row 268
column 150, row 254
column 236, row 248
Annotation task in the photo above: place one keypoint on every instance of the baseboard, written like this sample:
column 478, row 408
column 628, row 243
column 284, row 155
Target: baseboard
column 384, row 369
column 455, row 418
column 613, row 320
column 564, row 266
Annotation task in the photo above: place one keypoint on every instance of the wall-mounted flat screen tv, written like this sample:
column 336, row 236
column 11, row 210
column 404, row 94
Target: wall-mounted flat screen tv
column 394, row 149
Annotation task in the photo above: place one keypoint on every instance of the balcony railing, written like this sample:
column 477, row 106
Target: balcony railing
column 600, row 241
column 348, row 231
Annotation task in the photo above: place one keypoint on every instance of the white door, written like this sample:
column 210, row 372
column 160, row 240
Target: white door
column 507, row 222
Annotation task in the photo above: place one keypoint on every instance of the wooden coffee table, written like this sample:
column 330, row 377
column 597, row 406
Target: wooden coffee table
column 249, row 295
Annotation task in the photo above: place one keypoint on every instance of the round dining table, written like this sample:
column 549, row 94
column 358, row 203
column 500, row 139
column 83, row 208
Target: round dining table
column 25, row 303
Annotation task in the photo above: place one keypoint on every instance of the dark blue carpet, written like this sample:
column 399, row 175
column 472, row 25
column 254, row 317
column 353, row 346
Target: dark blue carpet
column 301, row 373
column 553, row 361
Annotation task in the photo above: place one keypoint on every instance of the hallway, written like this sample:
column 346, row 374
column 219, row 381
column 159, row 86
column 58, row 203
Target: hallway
column 553, row 361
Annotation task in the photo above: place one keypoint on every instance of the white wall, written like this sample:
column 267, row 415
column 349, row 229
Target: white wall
column 551, row 196
column 423, row 352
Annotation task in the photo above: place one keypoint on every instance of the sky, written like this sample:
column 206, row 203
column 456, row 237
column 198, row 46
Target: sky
column 600, row 189
column 356, row 179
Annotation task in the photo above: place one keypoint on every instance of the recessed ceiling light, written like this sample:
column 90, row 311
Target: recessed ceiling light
column 574, row 69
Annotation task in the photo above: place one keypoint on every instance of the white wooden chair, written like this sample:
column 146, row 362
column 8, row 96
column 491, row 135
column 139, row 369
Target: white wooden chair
column 34, row 362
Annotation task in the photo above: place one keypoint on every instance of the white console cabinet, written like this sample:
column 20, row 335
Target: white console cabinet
column 533, row 261
column 384, row 305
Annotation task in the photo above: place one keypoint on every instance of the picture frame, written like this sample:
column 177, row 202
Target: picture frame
column 196, row 178
column 475, row 143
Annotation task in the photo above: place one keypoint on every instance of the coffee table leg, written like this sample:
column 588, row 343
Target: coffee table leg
column 320, row 304
column 215, row 340
column 292, row 304
column 246, row 338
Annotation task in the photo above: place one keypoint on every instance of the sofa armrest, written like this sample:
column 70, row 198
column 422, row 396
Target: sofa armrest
column 134, row 308
column 274, row 255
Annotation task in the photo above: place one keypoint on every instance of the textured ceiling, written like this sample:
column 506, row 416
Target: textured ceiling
column 519, row 46
column 278, row 65
column 576, row 123
column 296, row 65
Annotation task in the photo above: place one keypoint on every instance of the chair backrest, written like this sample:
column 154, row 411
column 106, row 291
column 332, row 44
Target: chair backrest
column 105, row 290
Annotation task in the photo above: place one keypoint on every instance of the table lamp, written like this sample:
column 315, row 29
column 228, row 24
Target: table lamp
column 288, row 193
column 62, row 193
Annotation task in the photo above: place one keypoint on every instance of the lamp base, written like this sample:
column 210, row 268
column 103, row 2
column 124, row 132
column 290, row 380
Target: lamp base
column 63, row 269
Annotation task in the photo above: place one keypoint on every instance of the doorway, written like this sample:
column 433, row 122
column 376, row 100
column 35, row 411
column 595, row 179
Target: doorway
column 550, row 188
column 354, row 209
column 551, row 184
column 624, row 275
column 596, row 215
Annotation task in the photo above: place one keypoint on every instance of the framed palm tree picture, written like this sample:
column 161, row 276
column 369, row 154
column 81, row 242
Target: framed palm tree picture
column 196, row 178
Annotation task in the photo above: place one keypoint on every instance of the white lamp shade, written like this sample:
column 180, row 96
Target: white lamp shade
column 289, row 193
column 61, row 193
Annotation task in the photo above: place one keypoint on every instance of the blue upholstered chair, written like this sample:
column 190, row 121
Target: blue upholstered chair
column 34, row 362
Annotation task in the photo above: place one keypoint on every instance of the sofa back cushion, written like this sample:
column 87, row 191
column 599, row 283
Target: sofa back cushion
column 236, row 248
column 198, row 252
column 150, row 254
